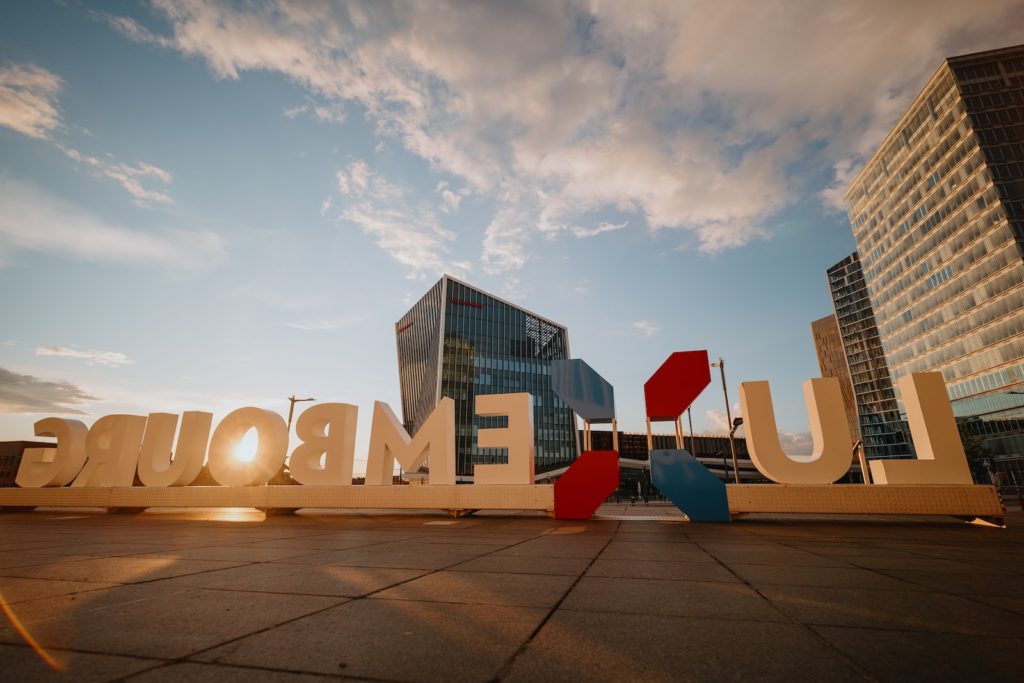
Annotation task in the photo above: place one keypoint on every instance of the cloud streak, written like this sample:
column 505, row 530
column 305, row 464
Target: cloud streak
column 35, row 220
column 108, row 358
column 28, row 100
column 27, row 394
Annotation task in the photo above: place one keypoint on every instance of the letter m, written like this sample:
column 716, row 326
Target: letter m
column 390, row 442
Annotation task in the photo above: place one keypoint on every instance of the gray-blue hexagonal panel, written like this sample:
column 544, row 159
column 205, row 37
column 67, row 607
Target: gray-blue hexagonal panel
column 588, row 394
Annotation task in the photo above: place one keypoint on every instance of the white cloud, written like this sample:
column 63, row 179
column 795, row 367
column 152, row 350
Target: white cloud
column 716, row 422
column 796, row 443
column 580, row 289
column 327, row 204
column 33, row 219
column 28, row 105
column 413, row 236
column 27, row 394
column 505, row 240
column 28, row 100
column 329, row 113
column 512, row 289
column 689, row 116
column 597, row 229
column 357, row 180
column 131, row 177
column 645, row 327
column 292, row 112
column 108, row 358
column 414, row 239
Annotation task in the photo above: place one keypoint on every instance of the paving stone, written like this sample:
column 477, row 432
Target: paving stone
column 625, row 647
column 642, row 569
column 483, row 588
column 777, row 556
column 901, row 656
column 927, row 564
column 853, row 577
column 997, row 584
column 154, row 623
column 676, row 552
column 657, row 604
column 298, row 579
column 21, row 663
column 905, row 610
column 117, row 569
column 398, row 558
column 11, row 559
column 554, row 547
column 675, row 598
column 219, row 673
column 1015, row 603
column 559, row 566
column 234, row 553
column 14, row 590
column 391, row 640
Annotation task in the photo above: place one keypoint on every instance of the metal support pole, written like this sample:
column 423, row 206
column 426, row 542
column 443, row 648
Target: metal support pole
column 865, row 473
column 728, row 416
column 693, row 444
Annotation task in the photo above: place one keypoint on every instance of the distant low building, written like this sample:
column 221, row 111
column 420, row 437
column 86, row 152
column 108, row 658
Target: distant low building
column 828, row 345
column 711, row 450
column 10, row 458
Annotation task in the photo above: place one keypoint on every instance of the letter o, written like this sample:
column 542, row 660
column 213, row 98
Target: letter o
column 272, row 432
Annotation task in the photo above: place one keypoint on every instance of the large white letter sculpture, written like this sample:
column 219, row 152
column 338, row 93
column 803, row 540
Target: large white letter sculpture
column 157, row 467
column 517, row 438
column 328, row 432
column 829, row 430
column 112, row 451
column 224, row 463
column 54, row 466
column 940, row 453
column 390, row 442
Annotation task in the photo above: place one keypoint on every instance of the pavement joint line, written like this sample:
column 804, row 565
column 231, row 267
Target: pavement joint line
column 344, row 600
column 931, row 590
column 829, row 646
column 506, row 668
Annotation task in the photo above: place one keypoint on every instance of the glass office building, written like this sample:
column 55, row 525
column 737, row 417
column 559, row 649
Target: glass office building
column 828, row 346
column 881, row 429
column 938, row 216
column 460, row 342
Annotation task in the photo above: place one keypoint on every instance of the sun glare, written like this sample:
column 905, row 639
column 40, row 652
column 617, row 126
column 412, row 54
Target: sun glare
column 246, row 448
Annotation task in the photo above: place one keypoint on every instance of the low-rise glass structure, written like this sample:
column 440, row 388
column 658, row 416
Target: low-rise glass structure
column 461, row 342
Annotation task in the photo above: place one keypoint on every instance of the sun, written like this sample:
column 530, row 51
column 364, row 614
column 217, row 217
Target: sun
column 245, row 451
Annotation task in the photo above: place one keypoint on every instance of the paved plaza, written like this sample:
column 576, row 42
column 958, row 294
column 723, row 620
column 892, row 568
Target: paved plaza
column 636, row 595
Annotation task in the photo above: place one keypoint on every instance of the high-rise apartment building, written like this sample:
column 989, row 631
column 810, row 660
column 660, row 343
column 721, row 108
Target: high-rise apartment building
column 460, row 342
column 881, row 429
column 938, row 216
column 828, row 345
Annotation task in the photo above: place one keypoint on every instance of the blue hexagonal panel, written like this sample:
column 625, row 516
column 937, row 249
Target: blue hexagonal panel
column 690, row 486
column 587, row 393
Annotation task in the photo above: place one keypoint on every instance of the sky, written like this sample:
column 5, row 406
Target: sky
column 207, row 205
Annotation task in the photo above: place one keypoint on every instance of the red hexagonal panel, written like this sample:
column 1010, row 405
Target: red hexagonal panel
column 676, row 384
column 586, row 484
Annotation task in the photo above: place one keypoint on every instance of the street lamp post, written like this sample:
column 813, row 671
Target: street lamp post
column 720, row 364
column 291, row 409
column 693, row 444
